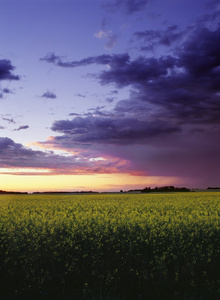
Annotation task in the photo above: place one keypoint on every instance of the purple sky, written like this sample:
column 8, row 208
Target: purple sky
column 120, row 87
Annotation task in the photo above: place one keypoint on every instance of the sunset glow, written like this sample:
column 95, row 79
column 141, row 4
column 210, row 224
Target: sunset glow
column 71, row 183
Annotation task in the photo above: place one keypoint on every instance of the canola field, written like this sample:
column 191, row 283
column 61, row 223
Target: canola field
column 112, row 247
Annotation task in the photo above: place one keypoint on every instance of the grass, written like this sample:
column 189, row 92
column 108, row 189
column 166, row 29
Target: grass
column 109, row 247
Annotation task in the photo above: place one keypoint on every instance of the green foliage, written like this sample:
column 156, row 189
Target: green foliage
column 110, row 246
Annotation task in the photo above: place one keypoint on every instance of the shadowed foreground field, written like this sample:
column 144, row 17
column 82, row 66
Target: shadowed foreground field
column 160, row 246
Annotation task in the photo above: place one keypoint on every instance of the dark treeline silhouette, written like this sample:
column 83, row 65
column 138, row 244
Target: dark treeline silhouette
column 164, row 189
column 5, row 192
column 60, row 192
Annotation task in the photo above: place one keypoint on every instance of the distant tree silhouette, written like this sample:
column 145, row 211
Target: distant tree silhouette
column 165, row 189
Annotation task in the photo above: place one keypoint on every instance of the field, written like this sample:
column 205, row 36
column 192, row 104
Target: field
column 152, row 246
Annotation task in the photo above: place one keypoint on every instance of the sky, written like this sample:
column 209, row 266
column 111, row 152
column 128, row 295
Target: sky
column 106, row 95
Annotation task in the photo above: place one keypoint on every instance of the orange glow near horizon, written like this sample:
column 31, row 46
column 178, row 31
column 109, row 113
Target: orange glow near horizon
column 97, row 182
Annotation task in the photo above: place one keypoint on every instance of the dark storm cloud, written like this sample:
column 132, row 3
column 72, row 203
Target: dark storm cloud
column 140, row 71
column 111, row 130
column 6, row 70
column 129, row 6
column 185, row 88
column 200, row 55
column 49, row 95
column 181, row 100
column 22, row 128
column 192, row 92
column 152, row 38
column 132, row 108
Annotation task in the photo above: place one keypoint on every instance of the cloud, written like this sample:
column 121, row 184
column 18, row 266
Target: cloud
column 151, row 150
column 152, row 38
column 11, row 121
column 181, row 88
column 169, row 125
column 110, row 130
column 122, row 71
column 101, row 34
column 200, row 55
column 109, row 36
column 6, row 69
column 15, row 156
column 104, row 59
column 73, row 114
column 22, row 128
column 1, row 127
column 110, row 99
column 49, row 95
column 98, row 112
column 140, row 70
column 51, row 58
column 114, row 92
column 7, row 91
column 80, row 95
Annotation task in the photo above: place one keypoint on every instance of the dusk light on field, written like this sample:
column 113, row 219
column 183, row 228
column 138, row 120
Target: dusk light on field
column 105, row 95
